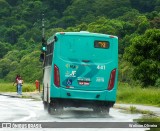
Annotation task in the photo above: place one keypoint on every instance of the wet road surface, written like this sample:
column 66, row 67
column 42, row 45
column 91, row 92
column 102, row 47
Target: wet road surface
column 28, row 110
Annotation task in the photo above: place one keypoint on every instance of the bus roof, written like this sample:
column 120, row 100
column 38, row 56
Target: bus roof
column 81, row 33
column 85, row 33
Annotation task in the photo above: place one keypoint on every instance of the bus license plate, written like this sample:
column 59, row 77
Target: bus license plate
column 85, row 83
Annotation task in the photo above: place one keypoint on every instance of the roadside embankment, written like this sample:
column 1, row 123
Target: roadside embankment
column 30, row 95
column 135, row 108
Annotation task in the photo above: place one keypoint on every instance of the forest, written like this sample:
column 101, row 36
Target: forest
column 135, row 22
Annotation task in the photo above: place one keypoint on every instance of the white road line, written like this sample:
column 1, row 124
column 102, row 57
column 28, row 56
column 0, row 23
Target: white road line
column 31, row 115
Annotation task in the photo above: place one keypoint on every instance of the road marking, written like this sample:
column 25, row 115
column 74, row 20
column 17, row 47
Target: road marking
column 31, row 115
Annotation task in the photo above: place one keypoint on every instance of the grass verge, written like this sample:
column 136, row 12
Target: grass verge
column 133, row 109
column 8, row 87
column 138, row 95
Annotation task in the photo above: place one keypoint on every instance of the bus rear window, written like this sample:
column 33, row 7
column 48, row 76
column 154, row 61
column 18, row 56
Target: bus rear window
column 85, row 48
column 101, row 44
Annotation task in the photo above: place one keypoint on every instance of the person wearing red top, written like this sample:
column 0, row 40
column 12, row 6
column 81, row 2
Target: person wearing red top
column 16, row 82
column 20, row 83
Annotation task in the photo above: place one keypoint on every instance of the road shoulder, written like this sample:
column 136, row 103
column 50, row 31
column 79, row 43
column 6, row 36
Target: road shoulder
column 140, row 108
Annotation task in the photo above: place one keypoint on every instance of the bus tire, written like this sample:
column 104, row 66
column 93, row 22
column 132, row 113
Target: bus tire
column 58, row 108
column 45, row 105
column 54, row 108
column 50, row 109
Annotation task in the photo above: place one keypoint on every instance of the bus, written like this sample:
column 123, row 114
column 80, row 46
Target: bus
column 80, row 70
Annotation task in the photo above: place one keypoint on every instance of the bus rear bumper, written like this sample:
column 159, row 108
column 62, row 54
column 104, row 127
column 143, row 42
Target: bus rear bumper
column 82, row 103
column 80, row 98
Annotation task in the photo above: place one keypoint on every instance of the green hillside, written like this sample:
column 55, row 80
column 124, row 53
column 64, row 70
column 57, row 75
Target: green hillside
column 135, row 22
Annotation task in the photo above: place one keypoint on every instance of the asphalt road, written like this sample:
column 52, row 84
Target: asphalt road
column 17, row 109
column 14, row 109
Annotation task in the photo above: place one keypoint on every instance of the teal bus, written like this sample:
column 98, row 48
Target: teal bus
column 80, row 70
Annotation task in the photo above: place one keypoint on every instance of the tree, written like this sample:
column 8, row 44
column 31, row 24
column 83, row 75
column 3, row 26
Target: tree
column 144, row 54
column 11, row 35
column 143, row 5
column 106, row 26
column 111, row 8
column 142, row 24
column 13, row 3
column 125, row 42
column 156, row 22
column 4, row 9
column 4, row 48
column 4, row 67
column 79, row 9
column 30, row 67
column 58, row 5
column 66, row 22
column 21, row 22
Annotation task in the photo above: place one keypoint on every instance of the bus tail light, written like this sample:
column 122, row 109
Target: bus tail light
column 112, row 79
column 56, row 76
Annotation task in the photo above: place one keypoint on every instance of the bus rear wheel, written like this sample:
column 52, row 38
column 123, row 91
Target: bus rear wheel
column 45, row 105
column 55, row 108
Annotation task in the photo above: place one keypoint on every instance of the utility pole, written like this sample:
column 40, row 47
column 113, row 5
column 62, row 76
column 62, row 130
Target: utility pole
column 43, row 30
column 43, row 48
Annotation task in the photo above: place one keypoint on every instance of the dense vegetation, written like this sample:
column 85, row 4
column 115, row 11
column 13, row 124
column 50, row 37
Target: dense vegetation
column 135, row 22
column 147, row 96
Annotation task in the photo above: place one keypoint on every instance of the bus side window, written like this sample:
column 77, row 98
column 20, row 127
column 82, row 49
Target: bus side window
column 46, row 60
column 49, row 54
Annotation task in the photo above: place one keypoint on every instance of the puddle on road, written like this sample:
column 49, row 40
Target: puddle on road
column 80, row 114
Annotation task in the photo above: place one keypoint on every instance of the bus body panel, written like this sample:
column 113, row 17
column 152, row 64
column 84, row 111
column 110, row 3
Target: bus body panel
column 84, row 70
column 46, row 83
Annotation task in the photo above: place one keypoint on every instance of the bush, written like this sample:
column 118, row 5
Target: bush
column 143, row 54
column 157, row 84
column 28, row 88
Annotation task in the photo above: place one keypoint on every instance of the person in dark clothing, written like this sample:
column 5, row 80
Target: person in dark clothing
column 16, row 82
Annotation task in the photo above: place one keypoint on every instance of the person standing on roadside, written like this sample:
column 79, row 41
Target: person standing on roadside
column 16, row 82
column 20, row 83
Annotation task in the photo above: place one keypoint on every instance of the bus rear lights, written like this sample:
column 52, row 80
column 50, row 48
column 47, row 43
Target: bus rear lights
column 112, row 79
column 56, row 76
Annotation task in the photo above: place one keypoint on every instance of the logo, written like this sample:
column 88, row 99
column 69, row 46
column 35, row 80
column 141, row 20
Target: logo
column 68, row 82
column 73, row 74
column 71, row 66
column 6, row 125
column 70, row 74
